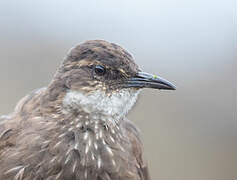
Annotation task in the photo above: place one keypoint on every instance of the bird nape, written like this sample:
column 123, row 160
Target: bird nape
column 75, row 128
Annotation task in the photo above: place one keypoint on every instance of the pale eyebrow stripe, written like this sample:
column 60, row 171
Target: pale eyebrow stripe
column 87, row 62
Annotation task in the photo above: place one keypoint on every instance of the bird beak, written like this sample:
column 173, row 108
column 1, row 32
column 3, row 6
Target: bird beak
column 146, row 80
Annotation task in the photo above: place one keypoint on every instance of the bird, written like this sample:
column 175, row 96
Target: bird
column 76, row 127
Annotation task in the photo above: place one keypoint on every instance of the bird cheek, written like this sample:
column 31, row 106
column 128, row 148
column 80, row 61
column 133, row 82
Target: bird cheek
column 97, row 78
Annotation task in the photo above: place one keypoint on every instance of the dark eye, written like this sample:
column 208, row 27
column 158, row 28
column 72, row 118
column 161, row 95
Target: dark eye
column 100, row 70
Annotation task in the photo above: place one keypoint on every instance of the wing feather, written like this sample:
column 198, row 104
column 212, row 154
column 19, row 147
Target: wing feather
column 138, row 151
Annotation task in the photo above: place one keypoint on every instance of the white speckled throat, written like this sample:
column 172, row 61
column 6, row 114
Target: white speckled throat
column 116, row 104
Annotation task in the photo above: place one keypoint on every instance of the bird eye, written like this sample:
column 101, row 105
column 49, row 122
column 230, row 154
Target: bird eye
column 100, row 70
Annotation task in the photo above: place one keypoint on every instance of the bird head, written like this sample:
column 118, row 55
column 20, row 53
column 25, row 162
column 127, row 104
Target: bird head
column 102, row 78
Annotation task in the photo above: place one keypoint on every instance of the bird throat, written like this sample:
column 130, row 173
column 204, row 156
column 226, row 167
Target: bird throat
column 101, row 105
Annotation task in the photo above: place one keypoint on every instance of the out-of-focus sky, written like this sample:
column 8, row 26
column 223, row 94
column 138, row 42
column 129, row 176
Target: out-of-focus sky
column 188, row 134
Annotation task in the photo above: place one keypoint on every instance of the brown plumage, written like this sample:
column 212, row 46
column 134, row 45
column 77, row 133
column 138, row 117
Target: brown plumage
column 75, row 129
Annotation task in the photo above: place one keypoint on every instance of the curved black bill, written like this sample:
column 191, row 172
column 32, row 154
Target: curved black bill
column 146, row 80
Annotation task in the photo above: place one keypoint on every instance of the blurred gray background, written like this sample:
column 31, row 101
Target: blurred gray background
column 188, row 134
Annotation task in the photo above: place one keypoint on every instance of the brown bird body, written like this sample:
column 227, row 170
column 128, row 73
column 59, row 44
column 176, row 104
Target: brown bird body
column 75, row 129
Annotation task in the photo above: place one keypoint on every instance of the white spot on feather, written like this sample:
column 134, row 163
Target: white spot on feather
column 68, row 159
column 62, row 135
column 89, row 142
column 95, row 145
column 112, row 139
column 86, row 149
column 92, row 156
column 101, row 133
column 86, row 136
column 37, row 118
column 57, row 144
column 79, row 125
column 97, row 136
column 109, row 150
column 74, row 166
column 13, row 169
column 52, row 160
column 85, row 173
column 99, row 162
column 59, row 175
column 20, row 174
column 76, row 145
column 113, row 162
